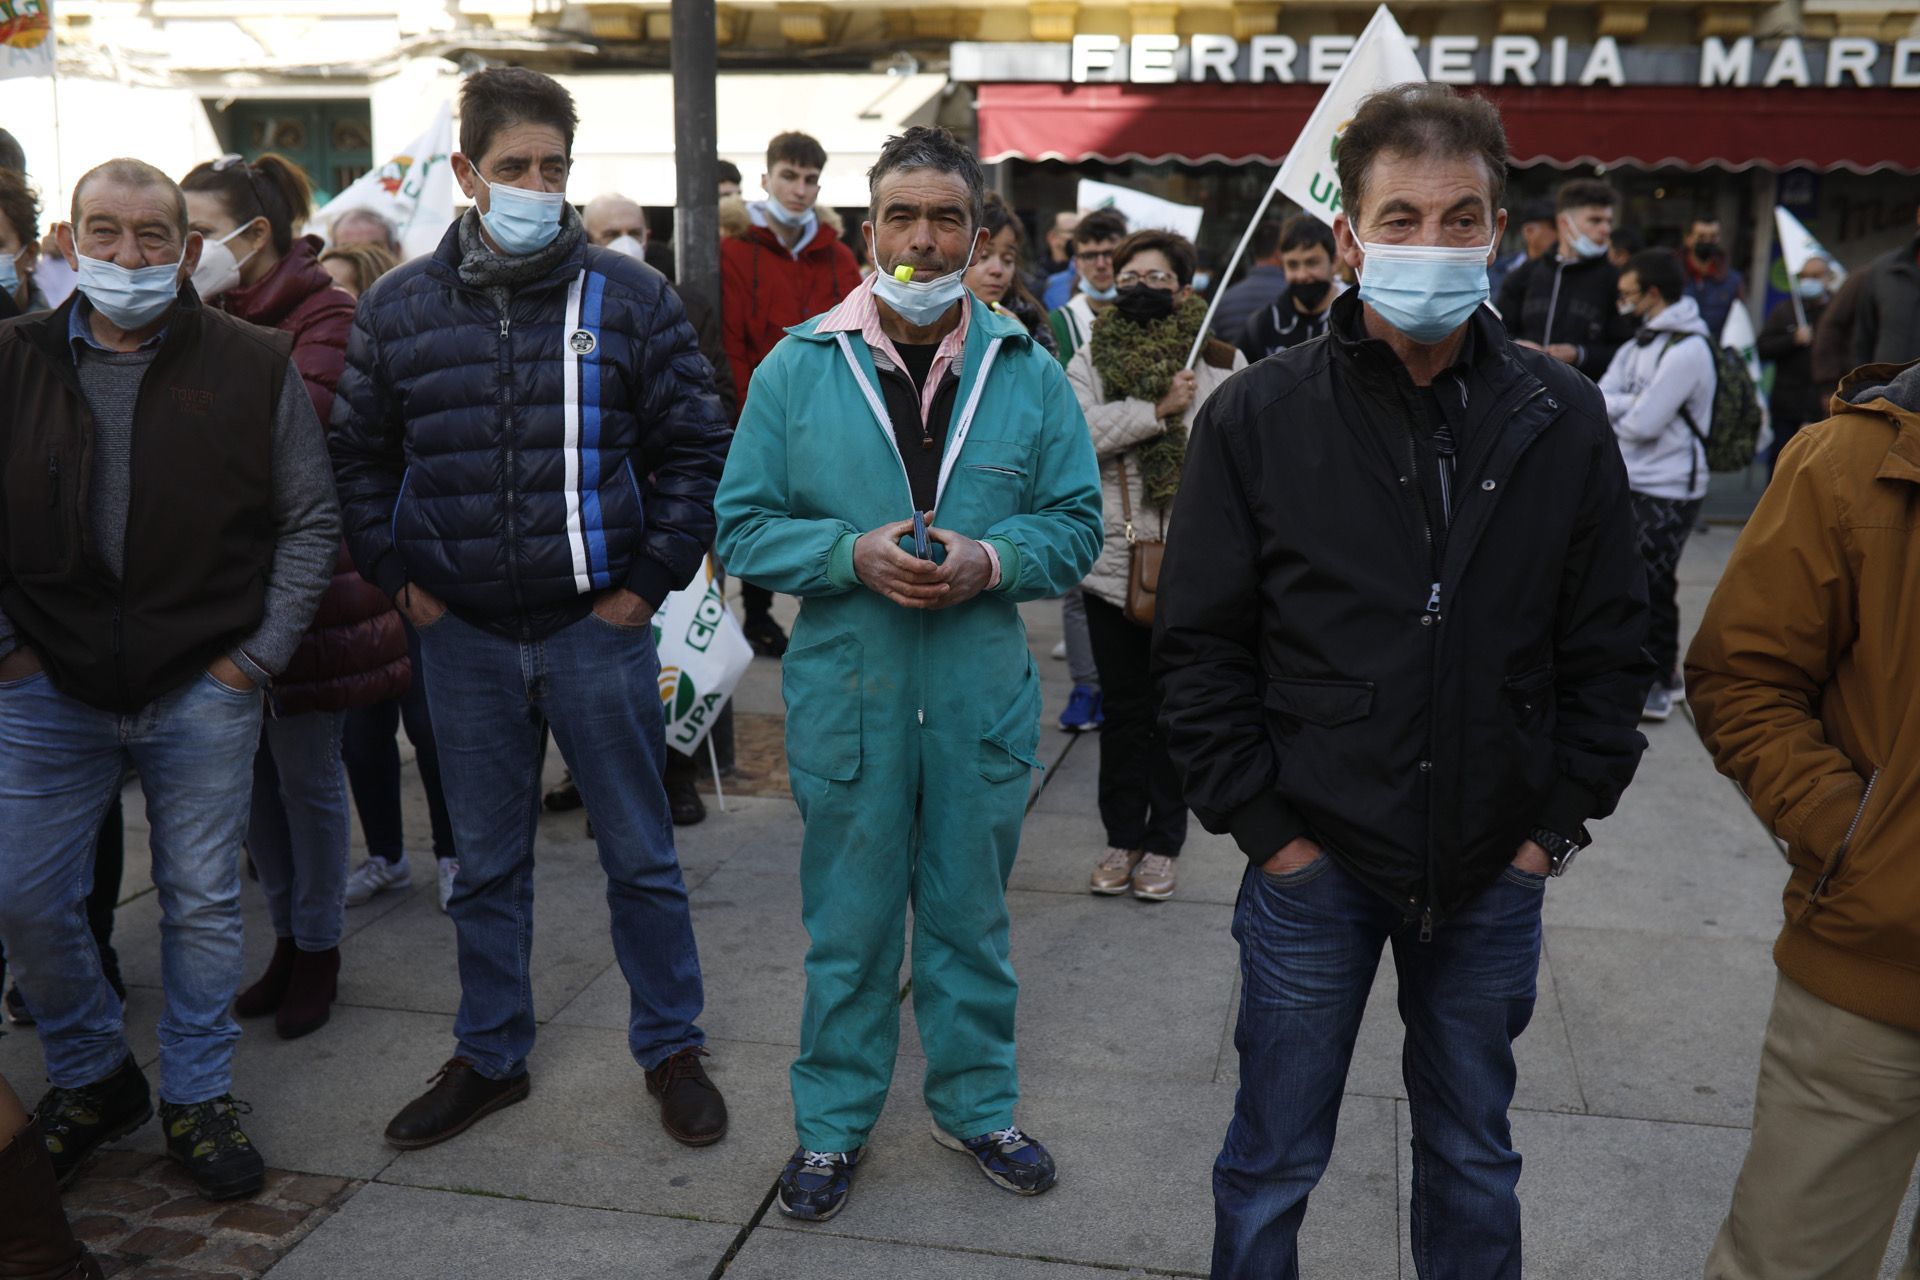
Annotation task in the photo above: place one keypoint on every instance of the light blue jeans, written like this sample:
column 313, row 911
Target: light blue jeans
column 300, row 833
column 60, row 766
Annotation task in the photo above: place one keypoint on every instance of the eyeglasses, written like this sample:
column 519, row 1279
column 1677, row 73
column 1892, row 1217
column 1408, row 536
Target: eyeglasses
column 1158, row 279
column 1095, row 255
column 232, row 160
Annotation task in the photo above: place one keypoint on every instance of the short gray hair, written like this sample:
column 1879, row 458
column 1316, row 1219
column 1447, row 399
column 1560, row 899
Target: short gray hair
column 929, row 147
column 132, row 173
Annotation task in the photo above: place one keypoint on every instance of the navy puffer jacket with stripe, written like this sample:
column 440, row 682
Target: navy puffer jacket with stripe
column 517, row 465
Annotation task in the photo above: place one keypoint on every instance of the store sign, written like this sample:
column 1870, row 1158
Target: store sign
column 1844, row 63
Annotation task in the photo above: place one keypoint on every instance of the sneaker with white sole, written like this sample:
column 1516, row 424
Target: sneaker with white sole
column 1113, row 874
column 1153, row 879
column 1659, row 704
column 815, row 1184
column 1009, row 1158
column 449, row 870
column 375, row 876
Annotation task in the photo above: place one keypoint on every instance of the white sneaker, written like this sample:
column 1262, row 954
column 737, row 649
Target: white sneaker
column 375, row 876
column 449, row 868
column 1059, row 650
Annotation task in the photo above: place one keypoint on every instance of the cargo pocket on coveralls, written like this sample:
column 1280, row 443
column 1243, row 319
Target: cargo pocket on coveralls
column 1010, row 748
column 821, row 686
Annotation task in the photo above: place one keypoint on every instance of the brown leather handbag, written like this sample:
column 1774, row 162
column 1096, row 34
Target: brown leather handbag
column 1143, row 558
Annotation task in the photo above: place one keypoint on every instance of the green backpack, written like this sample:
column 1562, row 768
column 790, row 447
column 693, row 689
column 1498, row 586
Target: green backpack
column 1734, row 430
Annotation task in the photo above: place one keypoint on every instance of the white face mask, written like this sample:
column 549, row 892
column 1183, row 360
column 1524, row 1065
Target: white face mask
column 219, row 270
column 634, row 249
column 786, row 217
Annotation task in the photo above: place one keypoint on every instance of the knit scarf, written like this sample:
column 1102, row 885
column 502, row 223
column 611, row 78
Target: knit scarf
column 1137, row 362
column 500, row 276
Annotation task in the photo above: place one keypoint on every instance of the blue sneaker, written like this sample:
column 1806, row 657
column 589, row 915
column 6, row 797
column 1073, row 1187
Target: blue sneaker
column 1083, row 710
column 814, row 1185
column 1010, row 1159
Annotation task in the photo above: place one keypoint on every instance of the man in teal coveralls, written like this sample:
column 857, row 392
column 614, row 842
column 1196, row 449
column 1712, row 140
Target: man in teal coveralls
column 913, row 706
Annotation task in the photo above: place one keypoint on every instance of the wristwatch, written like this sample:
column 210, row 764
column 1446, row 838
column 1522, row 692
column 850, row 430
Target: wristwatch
column 1560, row 849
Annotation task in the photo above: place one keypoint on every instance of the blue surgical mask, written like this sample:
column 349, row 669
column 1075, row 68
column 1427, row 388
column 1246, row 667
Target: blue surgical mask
column 1107, row 294
column 1424, row 291
column 1587, row 247
column 921, row 303
column 1810, row 289
column 131, row 298
column 787, row 218
column 10, row 274
column 521, row 221
column 1201, row 279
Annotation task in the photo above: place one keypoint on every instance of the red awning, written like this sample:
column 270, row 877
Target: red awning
column 1651, row 126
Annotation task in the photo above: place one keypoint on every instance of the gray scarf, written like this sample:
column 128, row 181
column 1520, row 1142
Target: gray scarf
column 485, row 269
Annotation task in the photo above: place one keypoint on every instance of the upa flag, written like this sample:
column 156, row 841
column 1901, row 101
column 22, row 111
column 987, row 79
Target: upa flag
column 1797, row 245
column 26, row 38
column 703, row 654
column 1381, row 58
column 413, row 190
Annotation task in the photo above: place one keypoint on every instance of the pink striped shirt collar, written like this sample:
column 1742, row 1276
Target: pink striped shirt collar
column 859, row 313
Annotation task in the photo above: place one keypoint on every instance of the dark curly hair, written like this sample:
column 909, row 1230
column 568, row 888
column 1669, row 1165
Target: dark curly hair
column 1421, row 119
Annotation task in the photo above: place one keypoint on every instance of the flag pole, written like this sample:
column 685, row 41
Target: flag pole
column 53, row 86
column 1213, row 304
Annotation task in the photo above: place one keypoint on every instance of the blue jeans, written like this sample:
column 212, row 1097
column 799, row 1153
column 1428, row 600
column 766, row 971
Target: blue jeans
column 60, row 765
column 300, row 833
column 1310, row 942
column 597, row 686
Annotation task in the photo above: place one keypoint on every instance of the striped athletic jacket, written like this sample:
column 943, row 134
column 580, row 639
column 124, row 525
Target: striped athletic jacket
column 517, row 464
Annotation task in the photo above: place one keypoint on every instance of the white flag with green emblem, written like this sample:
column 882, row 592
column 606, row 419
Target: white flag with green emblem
column 1381, row 58
column 703, row 654
column 26, row 38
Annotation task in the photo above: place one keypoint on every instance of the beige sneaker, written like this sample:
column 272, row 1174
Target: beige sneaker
column 1153, row 878
column 1115, row 871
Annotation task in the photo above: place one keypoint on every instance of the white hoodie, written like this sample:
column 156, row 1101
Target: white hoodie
column 1650, row 378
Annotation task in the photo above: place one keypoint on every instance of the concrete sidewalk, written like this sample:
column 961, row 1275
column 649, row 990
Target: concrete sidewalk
column 1636, row 1075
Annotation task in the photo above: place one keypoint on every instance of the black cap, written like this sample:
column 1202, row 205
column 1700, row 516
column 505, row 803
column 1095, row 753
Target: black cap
column 1538, row 210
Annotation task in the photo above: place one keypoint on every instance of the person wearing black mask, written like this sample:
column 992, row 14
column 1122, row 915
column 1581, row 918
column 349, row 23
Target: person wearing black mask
column 1140, row 402
column 1300, row 312
column 1711, row 281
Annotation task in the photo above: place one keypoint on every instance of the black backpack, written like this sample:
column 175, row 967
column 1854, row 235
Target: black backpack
column 1734, row 429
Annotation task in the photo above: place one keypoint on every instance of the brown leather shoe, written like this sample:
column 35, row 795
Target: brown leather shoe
column 460, row 1096
column 691, row 1108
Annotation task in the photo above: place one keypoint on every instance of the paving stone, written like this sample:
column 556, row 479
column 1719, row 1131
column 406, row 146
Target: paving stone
column 820, row 1255
column 449, row 1236
column 309, row 1189
column 189, row 1206
column 259, row 1220
column 253, row 1258
column 95, row 1227
column 160, row 1242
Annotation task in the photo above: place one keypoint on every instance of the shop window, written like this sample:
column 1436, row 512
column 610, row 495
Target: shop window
column 331, row 138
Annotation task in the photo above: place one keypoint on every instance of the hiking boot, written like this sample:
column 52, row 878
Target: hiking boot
column 691, row 1108
column 1082, row 714
column 447, row 871
column 1153, row 878
column 375, row 876
column 264, row 996
column 814, row 1185
column 308, row 999
column 684, row 803
column 1009, row 1158
column 460, row 1096
column 765, row 635
column 1659, row 704
column 78, row 1122
column 205, row 1139
column 1114, row 873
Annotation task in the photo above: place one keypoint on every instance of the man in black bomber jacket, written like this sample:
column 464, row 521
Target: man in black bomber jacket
column 1400, row 638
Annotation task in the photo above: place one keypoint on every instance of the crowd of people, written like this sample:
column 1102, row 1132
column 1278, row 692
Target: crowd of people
column 1370, row 567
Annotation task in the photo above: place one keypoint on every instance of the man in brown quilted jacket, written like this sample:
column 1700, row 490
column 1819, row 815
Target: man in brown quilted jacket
column 1805, row 689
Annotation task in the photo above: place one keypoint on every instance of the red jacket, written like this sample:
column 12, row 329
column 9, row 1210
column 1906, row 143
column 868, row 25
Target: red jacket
column 764, row 290
column 355, row 653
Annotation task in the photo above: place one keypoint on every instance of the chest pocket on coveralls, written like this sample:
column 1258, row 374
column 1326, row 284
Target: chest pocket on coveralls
column 990, row 483
column 821, row 685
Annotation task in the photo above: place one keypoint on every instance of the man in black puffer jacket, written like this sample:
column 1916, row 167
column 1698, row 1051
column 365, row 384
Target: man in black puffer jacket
column 1400, row 629
column 527, row 443
column 1565, row 301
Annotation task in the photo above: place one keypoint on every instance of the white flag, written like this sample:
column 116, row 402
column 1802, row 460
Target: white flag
column 1797, row 244
column 1738, row 333
column 26, row 38
column 413, row 190
column 1142, row 210
column 1381, row 58
column 703, row 654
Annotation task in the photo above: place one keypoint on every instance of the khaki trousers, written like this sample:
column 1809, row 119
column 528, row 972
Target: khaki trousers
column 1836, row 1130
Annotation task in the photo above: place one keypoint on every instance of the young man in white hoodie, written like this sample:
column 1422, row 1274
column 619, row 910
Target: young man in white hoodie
column 1659, row 391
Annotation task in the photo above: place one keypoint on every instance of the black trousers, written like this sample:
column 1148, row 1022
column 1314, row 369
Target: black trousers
column 1664, row 524
column 1140, row 798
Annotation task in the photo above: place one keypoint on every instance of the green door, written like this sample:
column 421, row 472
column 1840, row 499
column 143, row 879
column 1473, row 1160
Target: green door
column 331, row 138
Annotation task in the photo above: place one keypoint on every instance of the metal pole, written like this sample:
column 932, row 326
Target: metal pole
column 696, row 221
